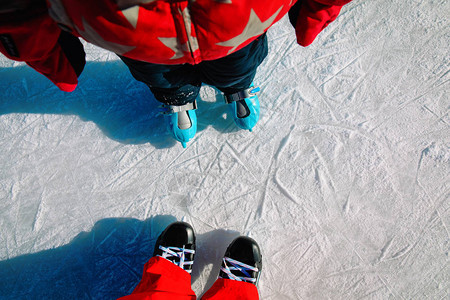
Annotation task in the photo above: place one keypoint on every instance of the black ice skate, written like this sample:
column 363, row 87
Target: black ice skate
column 242, row 261
column 177, row 245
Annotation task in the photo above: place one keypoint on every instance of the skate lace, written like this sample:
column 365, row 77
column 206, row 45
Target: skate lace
column 170, row 253
column 230, row 264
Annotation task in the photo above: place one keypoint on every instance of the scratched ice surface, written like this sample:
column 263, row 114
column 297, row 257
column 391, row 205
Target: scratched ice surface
column 344, row 182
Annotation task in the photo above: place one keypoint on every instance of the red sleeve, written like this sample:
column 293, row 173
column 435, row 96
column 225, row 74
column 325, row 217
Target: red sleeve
column 37, row 42
column 310, row 17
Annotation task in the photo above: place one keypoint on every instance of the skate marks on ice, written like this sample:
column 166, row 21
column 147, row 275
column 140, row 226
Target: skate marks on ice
column 368, row 163
column 321, row 184
column 344, row 182
column 359, row 223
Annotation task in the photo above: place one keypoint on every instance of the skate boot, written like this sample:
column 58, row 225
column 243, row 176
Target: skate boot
column 182, row 121
column 177, row 245
column 244, row 107
column 242, row 261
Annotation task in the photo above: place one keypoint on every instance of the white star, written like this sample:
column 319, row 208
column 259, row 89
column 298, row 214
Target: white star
column 130, row 9
column 131, row 14
column 92, row 36
column 174, row 45
column 253, row 28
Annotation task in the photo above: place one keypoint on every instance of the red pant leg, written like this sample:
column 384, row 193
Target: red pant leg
column 162, row 280
column 227, row 289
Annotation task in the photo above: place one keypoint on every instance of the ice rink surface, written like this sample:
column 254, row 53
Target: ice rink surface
column 344, row 182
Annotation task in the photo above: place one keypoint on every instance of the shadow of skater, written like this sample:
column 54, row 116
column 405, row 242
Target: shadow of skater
column 105, row 263
column 123, row 108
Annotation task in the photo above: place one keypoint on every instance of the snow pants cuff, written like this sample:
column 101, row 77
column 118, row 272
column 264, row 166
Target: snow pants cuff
column 162, row 280
column 231, row 289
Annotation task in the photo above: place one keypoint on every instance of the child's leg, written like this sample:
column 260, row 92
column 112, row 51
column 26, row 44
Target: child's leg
column 235, row 72
column 167, row 274
column 176, row 86
column 170, row 84
column 233, row 75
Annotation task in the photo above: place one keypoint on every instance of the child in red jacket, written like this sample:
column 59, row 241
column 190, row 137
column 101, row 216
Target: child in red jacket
column 172, row 46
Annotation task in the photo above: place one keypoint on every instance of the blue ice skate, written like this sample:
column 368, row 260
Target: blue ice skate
column 182, row 122
column 244, row 107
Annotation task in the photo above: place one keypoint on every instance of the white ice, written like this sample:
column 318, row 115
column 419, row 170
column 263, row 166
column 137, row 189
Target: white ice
column 344, row 183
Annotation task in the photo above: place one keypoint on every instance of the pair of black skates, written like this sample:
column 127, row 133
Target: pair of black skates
column 242, row 260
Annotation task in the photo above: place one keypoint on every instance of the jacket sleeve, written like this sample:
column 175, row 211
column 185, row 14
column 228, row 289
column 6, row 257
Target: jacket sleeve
column 310, row 17
column 40, row 43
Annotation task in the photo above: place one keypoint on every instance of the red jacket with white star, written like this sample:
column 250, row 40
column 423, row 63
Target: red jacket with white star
column 185, row 31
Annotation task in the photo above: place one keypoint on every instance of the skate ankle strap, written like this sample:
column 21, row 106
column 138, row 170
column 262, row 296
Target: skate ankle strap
column 250, row 92
column 179, row 108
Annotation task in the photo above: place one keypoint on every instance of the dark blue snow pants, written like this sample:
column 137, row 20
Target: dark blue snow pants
column 180, row 84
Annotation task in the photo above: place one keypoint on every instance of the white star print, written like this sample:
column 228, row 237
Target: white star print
column 131, row 14
column 92, row 36
column 253, row 28
column 130, row 9
column 175, row 46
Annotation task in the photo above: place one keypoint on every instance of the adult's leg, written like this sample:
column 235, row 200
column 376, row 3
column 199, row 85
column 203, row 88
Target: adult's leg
column 167, row 274
column 233, row 75
column 227, row 289
column 235, row 72
column 162, row 280
column 170, row 84
column 239, row 272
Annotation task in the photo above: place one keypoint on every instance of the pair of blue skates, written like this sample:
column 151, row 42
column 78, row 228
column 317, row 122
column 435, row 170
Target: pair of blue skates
column 244, row 107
